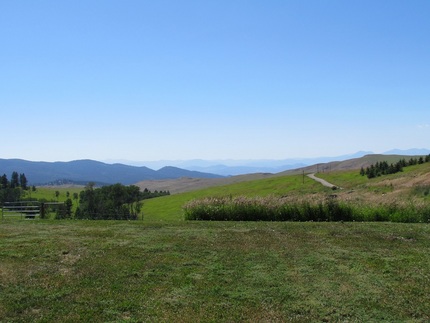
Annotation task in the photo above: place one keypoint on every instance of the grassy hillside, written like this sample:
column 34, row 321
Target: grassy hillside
column 410, row 186
column 185, row 184
column 107, row 271
column 407, row 186
column 170, row 207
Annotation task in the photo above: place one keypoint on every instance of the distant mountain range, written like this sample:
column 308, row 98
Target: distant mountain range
column 242, row 167
column 408, row 152
column 232, row 167
column 84, row 171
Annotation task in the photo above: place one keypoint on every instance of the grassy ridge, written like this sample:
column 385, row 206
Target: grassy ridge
column 81, row 271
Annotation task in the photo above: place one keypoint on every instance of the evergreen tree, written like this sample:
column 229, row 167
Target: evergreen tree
column 372, row 172
column 412, row 162
column 4, row 182
column 14, row 182
column 23, row 181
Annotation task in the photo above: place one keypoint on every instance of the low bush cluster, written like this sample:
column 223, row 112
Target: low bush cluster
column 280, row 209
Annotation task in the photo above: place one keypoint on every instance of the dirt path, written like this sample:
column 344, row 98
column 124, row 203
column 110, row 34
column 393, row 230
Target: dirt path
column 322, row 181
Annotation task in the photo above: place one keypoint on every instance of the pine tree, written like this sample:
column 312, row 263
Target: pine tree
column 4, row 182
column 23, row 181
column 14, row 182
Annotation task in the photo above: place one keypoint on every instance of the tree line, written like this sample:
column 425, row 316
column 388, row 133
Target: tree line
column 113, row 202
column 16, row 181
column 383, row 168
column 116, row 202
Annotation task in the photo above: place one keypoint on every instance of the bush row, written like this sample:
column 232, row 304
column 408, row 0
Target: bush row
column 278, row 209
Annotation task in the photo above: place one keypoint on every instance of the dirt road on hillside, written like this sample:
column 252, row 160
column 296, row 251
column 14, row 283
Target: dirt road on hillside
column 322, row 181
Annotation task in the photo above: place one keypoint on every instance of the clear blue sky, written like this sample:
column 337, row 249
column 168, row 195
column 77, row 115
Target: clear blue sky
column 212, row 79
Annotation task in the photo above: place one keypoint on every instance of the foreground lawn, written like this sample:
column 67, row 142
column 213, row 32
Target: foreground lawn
column 81, row 271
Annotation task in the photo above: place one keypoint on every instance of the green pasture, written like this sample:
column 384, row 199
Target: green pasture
column 180, row 271
column 49, row 193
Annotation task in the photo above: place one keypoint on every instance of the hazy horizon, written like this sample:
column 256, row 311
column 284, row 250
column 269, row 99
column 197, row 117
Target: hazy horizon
column 197, row 163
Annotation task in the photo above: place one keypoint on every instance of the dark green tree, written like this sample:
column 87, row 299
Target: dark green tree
column 116, row 201
column 14, row 181
column 23, row 181
column 4, row 182
column 64, row 211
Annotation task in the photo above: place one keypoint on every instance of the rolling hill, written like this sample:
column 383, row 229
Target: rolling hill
column 412, row 186
column 185, row 184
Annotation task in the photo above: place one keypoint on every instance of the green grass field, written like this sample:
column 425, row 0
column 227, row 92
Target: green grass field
column 107, row 271
column 48, row 193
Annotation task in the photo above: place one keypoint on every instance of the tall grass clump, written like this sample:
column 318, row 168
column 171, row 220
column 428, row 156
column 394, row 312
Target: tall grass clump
column 411, row 212
column 268, row 208
column 273, row 208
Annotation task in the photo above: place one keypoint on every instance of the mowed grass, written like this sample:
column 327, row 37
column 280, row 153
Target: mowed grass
column 100, row 271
